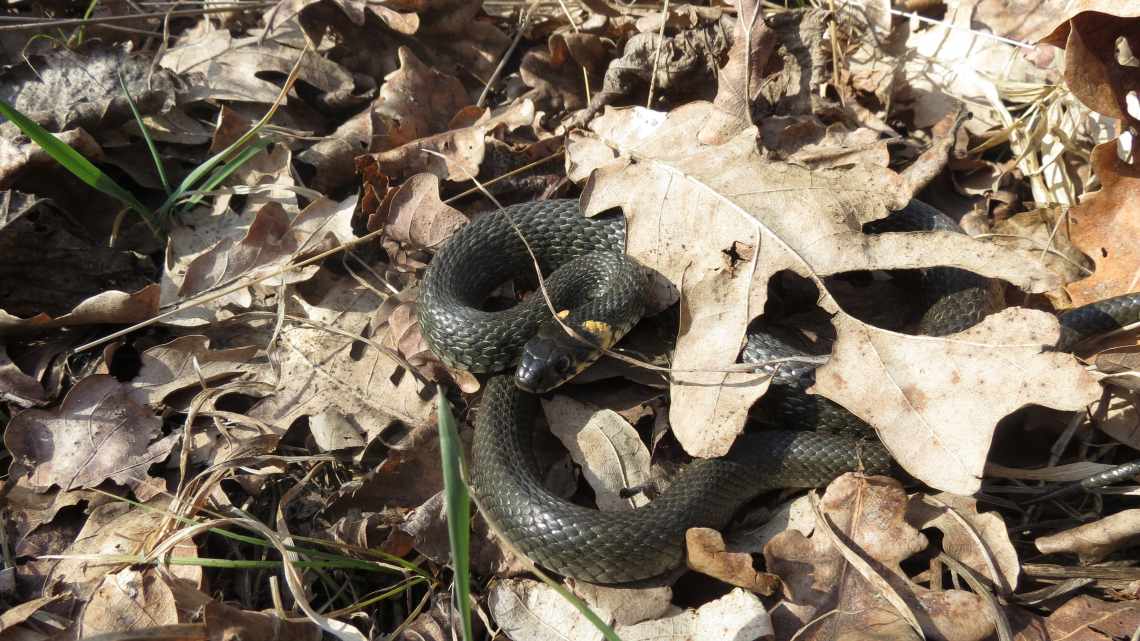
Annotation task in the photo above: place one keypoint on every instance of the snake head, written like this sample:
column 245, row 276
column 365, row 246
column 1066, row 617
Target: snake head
column 553, row 357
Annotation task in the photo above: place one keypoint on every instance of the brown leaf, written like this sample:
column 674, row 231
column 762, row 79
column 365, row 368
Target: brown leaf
column 1092, row 542
column 272, row 241
column 79, row 87
column 185, row 362
column 608, row 449
column 418, row 101
column 744, row 68
column 22, row 612
column 1105, row 226
column 868, row 513
column 333, row 157
column 458, row 38
column 716, row 222
column 221, row 67
column 1044, row 231
column 224, row 622
column 978, row 540
column 116, row 529
column 1090, row 38
column 417, row 215
column 706, row 553
column 1084, row 618
column 128, row 600
column 558, row 75
column 16, row 387
column 324, row 367
column 98, row 433
column 935, row 402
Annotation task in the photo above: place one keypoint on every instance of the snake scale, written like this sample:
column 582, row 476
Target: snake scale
column 599, row 293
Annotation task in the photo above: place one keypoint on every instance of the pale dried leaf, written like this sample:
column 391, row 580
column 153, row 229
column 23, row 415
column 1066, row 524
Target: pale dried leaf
column 629, row 605
column 527, row 610
column 738, row 615
column 185, row 362
column 608, row 448
column 869, row 513
column 978, row 540
column 1092, row 542
column 322, row 369
column 935, row 402
column 98, row 433
column 717, row 221
column 116, row 529
column 128, row 600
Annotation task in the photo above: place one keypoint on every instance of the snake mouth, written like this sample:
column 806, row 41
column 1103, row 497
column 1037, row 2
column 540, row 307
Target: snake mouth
column 551, row 359
column 544, row 365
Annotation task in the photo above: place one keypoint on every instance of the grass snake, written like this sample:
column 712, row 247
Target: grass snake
column 599, row 293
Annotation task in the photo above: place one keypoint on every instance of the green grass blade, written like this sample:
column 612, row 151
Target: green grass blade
column 228, row 168
column 145, row 134
column 73, row 161
column 458, row 511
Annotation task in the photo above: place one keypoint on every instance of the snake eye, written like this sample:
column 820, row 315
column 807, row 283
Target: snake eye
column 562, row 365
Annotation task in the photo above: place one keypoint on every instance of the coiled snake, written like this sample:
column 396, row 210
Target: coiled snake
column 599, row 294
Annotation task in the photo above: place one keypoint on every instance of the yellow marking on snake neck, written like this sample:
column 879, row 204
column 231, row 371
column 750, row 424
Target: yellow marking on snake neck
column 563, row 314
column 601, row 330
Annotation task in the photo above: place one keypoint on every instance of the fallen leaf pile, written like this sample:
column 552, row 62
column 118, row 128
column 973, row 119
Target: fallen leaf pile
column 223, row 425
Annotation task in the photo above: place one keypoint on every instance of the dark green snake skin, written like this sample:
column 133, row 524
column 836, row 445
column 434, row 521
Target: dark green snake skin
column 617, row 547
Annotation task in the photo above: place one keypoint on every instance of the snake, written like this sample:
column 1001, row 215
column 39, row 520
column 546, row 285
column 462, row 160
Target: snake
column 599, row 294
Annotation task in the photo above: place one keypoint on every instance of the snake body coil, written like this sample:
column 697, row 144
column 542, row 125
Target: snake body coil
column 598, row 293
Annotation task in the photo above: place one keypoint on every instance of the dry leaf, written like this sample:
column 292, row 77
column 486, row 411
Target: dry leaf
column 323, row 367
column 185, row 362
column 273, row 240
column 224, row 622
column 114, row 530
column 1092, row 542
column 629, row 605
column 333, row 157
column 718, row 221
column 455, row 155
column 79, row 87
column 223, row 67
column 608, row 449
column 738, row 615
column 869, row 515
column 16, row 387
column 128, row 600
column 98, row 433
column 935, row 402
column 978, row 540
column 1090, row 36
column 558, row 75
column 1084, row 618
column 417, row 100
column 418, row 217
column 705, row 552
column 528, row 611
column 1105, row 226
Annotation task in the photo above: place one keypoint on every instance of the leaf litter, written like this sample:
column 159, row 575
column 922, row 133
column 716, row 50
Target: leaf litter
column 746, row 154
